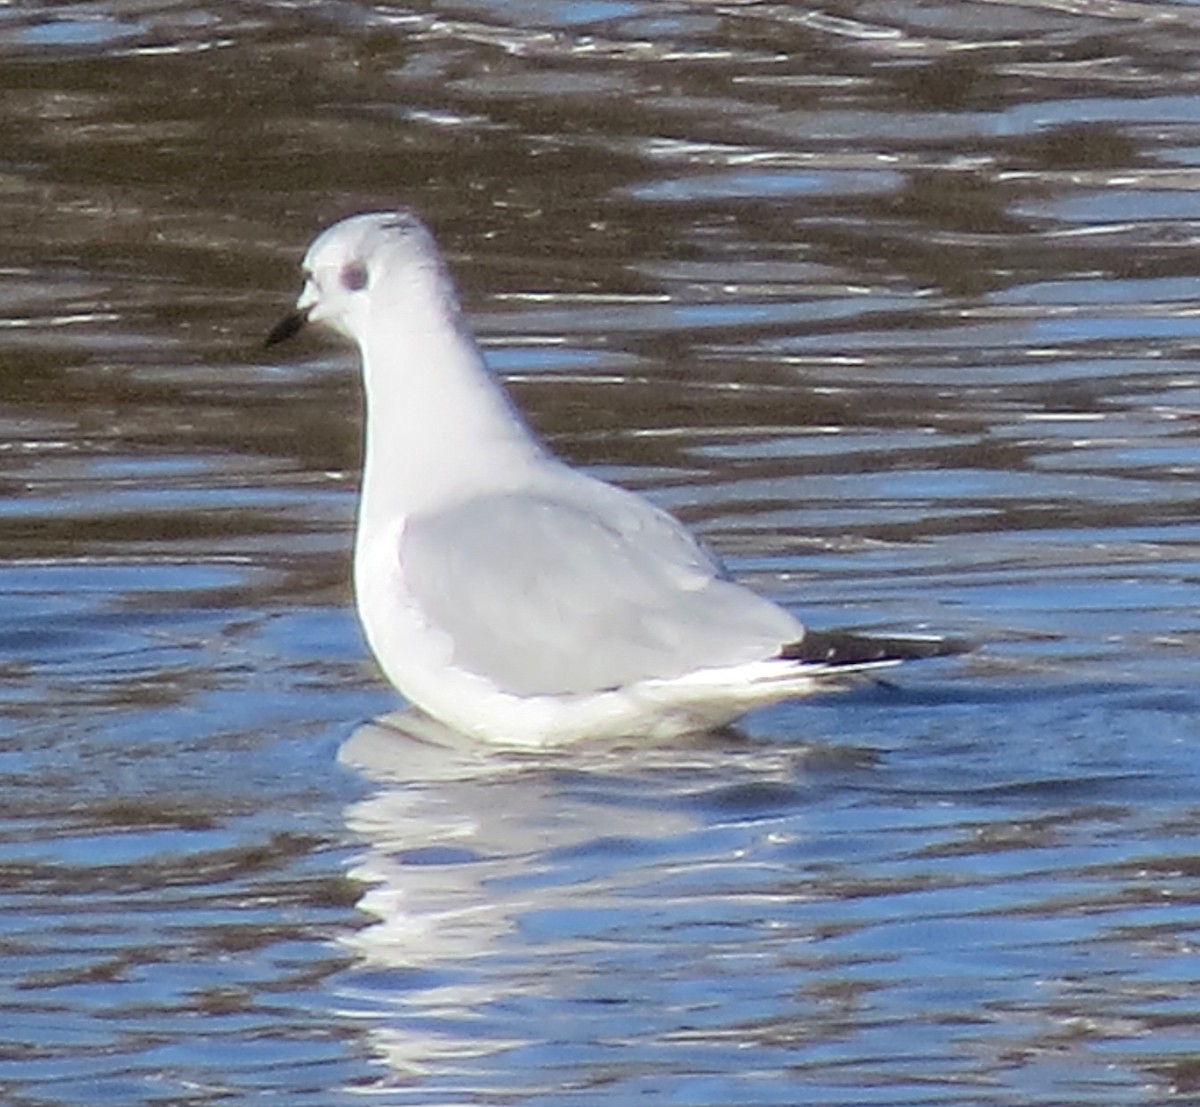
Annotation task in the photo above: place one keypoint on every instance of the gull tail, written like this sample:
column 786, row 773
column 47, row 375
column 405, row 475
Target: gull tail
column 839, row 647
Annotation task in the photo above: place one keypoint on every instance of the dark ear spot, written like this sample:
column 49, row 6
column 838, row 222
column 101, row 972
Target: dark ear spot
column 354, row 277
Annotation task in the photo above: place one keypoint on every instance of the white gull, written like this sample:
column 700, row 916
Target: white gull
column 513, row 598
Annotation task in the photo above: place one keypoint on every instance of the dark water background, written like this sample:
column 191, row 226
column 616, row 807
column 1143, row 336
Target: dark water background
column 895, row 302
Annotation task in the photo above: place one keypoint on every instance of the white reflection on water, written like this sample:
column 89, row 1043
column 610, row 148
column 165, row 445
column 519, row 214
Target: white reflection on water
column 471, row 854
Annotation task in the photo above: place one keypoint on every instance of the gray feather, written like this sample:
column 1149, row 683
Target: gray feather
column 579, row 588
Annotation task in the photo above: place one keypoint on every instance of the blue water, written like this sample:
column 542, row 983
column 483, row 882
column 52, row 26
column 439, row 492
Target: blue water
column 893, row 304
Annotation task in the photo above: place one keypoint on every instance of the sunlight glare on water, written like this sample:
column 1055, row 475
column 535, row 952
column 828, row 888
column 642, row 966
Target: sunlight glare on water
column 893, row 303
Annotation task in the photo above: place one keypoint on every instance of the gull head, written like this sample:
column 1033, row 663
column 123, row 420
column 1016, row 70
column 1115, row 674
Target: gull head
column 350, row 265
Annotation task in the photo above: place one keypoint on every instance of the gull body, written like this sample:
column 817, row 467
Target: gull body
column 507, row 595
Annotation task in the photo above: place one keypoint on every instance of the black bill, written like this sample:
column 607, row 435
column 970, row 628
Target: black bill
column 289, row 325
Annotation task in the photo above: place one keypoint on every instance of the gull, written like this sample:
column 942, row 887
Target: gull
column 505, row 594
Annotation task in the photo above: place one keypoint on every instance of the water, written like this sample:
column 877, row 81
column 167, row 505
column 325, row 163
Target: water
column 894, row 303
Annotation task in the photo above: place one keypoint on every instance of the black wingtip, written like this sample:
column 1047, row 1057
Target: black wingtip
column 289, row 325
column 839, row 647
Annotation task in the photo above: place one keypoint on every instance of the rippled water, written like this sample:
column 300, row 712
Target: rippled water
column 894, row 302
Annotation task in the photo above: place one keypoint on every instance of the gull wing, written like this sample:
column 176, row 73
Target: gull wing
column 580, row 588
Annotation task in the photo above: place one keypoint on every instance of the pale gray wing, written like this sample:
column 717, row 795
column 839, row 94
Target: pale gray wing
column 580, row 589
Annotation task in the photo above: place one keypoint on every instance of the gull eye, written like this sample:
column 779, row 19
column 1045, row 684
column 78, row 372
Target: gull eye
column 354, row 277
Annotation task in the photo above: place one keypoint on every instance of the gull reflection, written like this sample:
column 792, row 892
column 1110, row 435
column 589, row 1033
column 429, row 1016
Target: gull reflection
column 499, row 884
column 466, row 848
